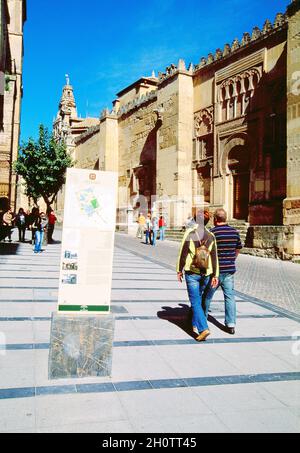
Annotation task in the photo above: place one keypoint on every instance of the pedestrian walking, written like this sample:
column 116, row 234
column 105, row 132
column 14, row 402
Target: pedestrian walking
column 141, row 228
column 51, row 224
column 7, row 222
column 228, row 246
column 40, row 227
column 21, row 223
column 30, row 222
column 154, row 230
column 162, row 228
column 148, row 229
column 198, row 260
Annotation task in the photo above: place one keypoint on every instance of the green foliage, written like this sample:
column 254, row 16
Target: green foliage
column 7, row 80
column 42, row 164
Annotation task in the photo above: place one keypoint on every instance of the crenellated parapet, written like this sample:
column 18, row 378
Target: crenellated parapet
column 247, row 39
column 172, row 70
column 85, row 135
column 136, row 103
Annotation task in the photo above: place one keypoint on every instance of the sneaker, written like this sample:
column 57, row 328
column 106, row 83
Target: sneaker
column 230, row 330
column 203, row 335
column 195, row 330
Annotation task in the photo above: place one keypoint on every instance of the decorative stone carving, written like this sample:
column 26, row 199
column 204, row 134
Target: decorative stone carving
column 181, row 65
column 203, row 121
column 267, row 27
column 218, row 54
column 256, row 33
column 202, row 62
column 246, row 39
column 249, row 74
column 235, row 45
column 204, row 150
column 279, row 20
column 210, row 58
column 191, row 68
column 170, row 70
column 227, row 50
column 234, row 94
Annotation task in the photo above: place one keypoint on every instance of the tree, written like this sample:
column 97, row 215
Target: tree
column 42, row 164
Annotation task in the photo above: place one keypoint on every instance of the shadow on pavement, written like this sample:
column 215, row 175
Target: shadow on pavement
column 216, row 323
column 181, row 317
column 9, row 248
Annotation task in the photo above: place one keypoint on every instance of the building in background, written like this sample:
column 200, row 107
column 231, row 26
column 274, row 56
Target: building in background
column 67, row 126
column 222, row 133
column 12, row 18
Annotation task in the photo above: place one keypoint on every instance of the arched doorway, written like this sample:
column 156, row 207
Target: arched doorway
column 239, row 166
column 4, row 203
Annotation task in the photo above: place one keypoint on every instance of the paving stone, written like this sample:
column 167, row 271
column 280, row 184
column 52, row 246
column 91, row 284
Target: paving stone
column 162, row 381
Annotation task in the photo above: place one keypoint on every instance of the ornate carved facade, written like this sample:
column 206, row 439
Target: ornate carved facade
column 220, row 132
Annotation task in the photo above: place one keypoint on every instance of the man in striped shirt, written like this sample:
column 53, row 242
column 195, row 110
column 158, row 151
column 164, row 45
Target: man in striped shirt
column 228, row 247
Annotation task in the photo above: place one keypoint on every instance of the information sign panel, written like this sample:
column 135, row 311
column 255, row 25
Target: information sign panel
column 87, row 241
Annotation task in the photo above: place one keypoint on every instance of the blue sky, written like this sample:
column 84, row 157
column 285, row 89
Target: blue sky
column 106, row 45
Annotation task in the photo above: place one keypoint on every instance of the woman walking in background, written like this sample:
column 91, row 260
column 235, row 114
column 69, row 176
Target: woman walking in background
column 31, row 220
column 148, row 229
column 154, row 230
column 40, row 226
column 21, row 223
column 162, row 227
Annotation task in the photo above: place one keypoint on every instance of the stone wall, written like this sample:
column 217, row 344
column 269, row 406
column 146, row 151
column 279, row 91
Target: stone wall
column 137, row 152
column 87, row 153
column 273, row 242
column 10, row 99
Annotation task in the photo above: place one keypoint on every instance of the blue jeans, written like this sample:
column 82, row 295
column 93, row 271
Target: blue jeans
column 148, row 236
column 39, row 236
column 226, row 281
column 196, row 285
column 154, row 236
column 162, row 233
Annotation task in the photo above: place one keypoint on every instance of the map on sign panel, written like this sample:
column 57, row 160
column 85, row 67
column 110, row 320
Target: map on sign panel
column 91, row 205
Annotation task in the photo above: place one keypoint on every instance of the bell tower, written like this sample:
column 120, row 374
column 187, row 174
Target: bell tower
column 67, row 112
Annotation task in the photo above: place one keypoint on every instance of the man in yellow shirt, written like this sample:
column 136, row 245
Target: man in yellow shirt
column 141, row 229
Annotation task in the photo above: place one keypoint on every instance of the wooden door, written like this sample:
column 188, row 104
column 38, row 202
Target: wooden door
column 241, row 196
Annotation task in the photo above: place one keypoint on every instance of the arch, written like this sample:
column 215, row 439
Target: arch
column 236, row 164
column 4, row 203
column 240, row 139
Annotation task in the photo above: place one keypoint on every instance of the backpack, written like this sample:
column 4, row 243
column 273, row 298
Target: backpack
column 202, row 254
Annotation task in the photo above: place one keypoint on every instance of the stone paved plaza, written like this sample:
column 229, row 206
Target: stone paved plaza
column 162, row 380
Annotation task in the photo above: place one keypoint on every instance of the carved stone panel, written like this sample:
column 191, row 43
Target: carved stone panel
column 203, row 121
